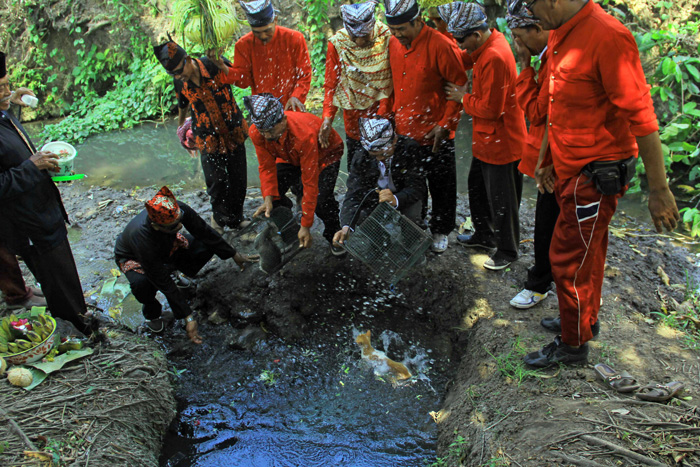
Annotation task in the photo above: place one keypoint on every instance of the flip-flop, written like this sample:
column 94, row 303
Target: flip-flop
column 660, row 392
column 620, row 381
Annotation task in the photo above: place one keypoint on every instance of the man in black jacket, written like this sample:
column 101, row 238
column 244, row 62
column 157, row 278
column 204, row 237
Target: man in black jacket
column 151, row 247
column 32, row 216
column 391, row 169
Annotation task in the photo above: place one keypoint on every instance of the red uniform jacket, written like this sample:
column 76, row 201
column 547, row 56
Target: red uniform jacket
column 419, row 74
column 599, row 97
column 535, row 104
column 498, row 122
column 297, row 146
column 280, row 67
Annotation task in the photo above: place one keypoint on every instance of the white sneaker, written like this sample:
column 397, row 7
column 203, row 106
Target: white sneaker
column 527, row 299
column 439, row 243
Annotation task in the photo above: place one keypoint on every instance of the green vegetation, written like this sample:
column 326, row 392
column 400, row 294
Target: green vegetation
column 686, row 315
column 268, row 377
column 456, row 452
column 317, row 17
column 512, row 366
column 208, row 23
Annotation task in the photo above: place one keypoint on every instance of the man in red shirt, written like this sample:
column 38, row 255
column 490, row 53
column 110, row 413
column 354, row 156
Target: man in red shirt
column 495, row 184
column 531, row 39
column 422, row 60
column 600, row 117
column 271, row 58
column 288, row 151
column 357, row 74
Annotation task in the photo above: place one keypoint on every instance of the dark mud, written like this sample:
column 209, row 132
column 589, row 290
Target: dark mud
column 279, row 379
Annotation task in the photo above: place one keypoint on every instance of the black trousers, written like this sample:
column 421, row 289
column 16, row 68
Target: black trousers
column 55, row 270
column 188, row 261
column 539, row 276
column 355, row 149
column 227, row 179
column 494, row 199
column 326, row 206
column 441, row 175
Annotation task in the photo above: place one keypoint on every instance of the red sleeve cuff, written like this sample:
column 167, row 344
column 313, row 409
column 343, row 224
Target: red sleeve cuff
column 644, row 129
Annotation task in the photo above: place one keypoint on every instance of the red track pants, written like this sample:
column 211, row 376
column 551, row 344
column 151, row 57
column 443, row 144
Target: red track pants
column 577, row 253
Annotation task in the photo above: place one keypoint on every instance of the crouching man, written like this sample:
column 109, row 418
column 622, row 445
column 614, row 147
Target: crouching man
column 151, row 247
column 288, row 152
column 391, row 168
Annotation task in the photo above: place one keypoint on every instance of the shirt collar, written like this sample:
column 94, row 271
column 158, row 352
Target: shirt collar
column 475, row 55
column 567, row 27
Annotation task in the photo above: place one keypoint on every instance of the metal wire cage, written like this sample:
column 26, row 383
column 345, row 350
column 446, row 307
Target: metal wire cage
column 388, row 243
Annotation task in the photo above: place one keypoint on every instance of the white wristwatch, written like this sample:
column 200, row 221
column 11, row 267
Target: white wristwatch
column 189, row 319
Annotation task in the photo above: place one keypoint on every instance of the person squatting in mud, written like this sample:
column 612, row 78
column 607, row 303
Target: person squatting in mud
column 32, row 216
column 151, row 248
column 218, row 130
column 389, row 173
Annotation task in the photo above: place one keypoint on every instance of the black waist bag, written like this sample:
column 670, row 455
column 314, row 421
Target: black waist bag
column 610, row 176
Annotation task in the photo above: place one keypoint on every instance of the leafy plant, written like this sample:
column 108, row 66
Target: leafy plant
column 209, row 23
column 268, row 377
column 511, row 364
column 672, row 58
column 317, row 17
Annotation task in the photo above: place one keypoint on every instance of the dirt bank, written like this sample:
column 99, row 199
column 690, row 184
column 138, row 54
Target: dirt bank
column 494, row 413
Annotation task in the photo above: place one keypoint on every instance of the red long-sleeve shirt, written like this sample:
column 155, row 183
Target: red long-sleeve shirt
column 533, row 99
column 351, row 117
column 498, row 122
column 419, row 74
column 280, row 67
column 297, row 146
column 599, row 97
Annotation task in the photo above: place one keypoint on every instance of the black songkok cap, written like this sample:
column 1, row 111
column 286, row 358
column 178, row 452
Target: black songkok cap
column 169, row 54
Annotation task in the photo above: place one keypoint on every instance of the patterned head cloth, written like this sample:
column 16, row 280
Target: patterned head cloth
column 445, row 11
column 376, row 134
column 400, row 11
column 518, row 16
column 259, row 12
column 359, row 18
column 3, row 67
column 265, row 110
column 163, row 208
column 169, row 54
column 464, row 18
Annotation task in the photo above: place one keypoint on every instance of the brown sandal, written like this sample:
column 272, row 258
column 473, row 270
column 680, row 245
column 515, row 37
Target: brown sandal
column 661, row 392
column 620, row 381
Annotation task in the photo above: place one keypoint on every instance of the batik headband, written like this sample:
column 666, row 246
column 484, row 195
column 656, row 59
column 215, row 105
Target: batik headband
column 465, row 17
column 376, row 134
column 265, row 110
column 359, row 19
column 259, row 12
column 518, row 16
column 400, row 11
column 169, row 54
column 163, row 208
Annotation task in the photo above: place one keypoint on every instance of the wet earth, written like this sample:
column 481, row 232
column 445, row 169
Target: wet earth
column 280, row 381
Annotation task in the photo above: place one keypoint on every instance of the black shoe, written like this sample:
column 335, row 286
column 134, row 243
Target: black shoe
column 555, row 353
column 496, row 263
column 554, row 325
column 472, row 241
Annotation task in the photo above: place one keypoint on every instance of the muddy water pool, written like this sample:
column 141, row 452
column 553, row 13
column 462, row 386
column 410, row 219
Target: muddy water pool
column 311, row 403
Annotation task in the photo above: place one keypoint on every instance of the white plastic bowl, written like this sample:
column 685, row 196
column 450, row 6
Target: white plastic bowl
column 65, row 164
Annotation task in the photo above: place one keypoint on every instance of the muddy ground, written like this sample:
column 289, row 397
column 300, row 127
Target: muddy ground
column 494, row 412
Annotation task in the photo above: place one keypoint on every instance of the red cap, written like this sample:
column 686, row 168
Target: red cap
column 163, row 208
